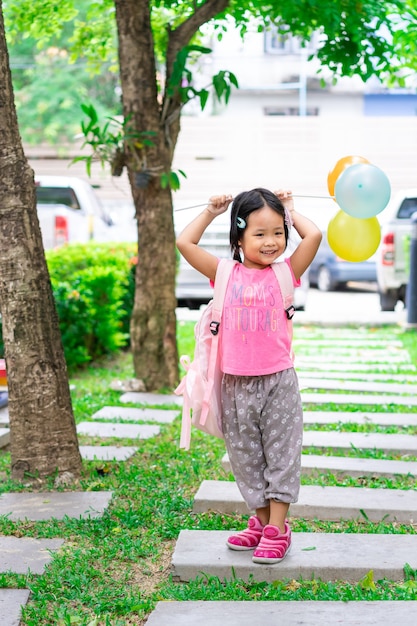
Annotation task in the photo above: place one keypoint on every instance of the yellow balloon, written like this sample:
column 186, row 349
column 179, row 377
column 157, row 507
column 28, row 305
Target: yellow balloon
column 353, row 238
column 340, row 166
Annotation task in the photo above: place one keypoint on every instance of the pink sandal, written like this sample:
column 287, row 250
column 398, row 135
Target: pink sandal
column 249, row 538
column 273, row 546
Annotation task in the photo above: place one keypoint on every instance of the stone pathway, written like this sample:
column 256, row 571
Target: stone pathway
column 329, row 556
column 349, row 466
column 11, row 601
column 54, row 505
column 359, row 417
column 310, row 613
column 357, row 385
column 161, row 416
column 348, row 375
column 325, row 365
column 21, row 555
column 351, row 399
column 325, row 556
column 121, row 431
column 398, row 444
column 107, row 453
column 4, row 437
column 325, row 503
column 151, row 399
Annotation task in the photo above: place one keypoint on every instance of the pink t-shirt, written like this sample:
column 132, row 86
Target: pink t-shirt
column 254, row 337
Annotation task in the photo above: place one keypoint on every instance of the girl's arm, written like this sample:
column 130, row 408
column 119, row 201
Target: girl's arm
column 310, row 235
column 188, row 240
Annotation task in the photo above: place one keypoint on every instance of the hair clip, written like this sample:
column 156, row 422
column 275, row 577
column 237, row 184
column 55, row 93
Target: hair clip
column 240, row 222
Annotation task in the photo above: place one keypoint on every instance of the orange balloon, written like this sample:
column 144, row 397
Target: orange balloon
column 340, row 166
column 352, row 238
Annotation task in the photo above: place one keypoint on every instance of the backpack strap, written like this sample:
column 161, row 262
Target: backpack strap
column 284, row 278
column 224, row 270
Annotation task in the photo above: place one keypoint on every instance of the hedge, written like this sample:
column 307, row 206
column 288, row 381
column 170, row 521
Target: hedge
column 93, row 287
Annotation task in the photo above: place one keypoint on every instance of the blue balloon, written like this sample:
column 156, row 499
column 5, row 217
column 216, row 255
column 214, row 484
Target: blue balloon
column 362, row 190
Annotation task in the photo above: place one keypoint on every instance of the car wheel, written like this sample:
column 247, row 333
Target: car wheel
column 324, row 279
column 388, row 300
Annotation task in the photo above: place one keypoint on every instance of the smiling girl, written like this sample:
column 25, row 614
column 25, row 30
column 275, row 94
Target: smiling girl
column 261, row 405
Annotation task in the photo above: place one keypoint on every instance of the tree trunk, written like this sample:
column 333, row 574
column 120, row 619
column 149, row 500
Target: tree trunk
column 42, row 427
column 153, row 322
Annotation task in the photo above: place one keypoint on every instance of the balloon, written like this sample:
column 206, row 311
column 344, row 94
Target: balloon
column 362, row 190
column 340, row 166
column 353, row 239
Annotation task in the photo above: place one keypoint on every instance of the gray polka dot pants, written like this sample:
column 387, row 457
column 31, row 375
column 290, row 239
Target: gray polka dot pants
column 263, row 430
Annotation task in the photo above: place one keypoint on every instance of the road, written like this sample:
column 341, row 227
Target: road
column 357, row 303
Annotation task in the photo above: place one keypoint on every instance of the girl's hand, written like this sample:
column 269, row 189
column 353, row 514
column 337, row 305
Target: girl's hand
column 219, row 204
column 285, row 196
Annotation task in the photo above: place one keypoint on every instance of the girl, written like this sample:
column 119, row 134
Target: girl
column 261, row 404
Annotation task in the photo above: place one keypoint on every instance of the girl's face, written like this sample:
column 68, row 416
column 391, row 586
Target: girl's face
column 263, row 239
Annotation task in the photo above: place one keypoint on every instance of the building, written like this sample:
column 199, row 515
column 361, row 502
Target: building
column 277, row 79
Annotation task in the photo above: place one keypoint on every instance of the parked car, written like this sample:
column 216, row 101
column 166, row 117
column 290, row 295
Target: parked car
column 392, row 259
column 69, row 211
column 329, row 272
column 193, row 289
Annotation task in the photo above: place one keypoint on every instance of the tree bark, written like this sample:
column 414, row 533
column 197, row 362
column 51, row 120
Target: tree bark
column 42, row 427
column 153, row 322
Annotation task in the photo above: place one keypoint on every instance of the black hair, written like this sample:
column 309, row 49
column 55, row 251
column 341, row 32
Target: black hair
column 243, row 205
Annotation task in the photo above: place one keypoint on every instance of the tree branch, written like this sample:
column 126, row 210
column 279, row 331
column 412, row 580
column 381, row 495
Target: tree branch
column 178, row 39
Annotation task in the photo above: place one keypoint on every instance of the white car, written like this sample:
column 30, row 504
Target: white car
column 69, row 211
column 392, row 262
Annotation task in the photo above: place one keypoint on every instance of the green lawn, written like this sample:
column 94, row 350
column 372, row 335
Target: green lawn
column 113, row 570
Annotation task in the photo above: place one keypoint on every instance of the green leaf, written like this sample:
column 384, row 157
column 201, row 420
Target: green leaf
column 367, row 582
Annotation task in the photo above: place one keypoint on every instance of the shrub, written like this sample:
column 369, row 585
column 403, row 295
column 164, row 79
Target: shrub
column 93, row 286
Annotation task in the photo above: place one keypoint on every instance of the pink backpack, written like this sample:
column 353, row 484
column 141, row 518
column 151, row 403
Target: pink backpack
column 201, row 385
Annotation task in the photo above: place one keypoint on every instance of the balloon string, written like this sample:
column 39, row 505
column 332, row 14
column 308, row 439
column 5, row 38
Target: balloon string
column 195, row 206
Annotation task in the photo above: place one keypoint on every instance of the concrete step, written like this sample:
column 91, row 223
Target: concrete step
column 23, row 554
column 348, row 349
column 128, row 414
column 11, row 602
column 348, row 375
column 324, row 503
column 350, row 466
column 4, row 437
column 324, row 364
column 351, row 398
column 290, row 613
column 151, row 399
column 356, row 385
column 399, row 444
column 324, row 556
column 360, row 417
column 120, row 431
column 313, row 463
column 335, row 361
column 107, row 453
column 4, row 417
column 52, row 504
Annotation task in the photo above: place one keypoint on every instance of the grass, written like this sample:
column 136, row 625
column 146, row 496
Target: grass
column 113, row 570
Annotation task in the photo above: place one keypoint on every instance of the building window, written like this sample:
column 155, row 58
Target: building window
column 283, row 42
column 293, row 110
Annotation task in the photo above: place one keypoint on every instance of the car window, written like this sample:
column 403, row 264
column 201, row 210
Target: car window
column 57, row 195
column 407, row 208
